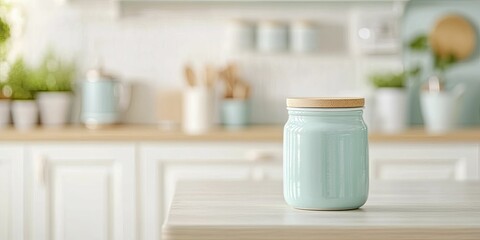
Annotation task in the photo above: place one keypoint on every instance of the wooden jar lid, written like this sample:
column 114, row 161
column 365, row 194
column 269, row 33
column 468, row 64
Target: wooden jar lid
column 343, row 102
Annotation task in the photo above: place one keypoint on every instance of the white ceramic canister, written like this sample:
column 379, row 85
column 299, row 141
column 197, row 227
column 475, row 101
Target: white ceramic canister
column 197, row 109
column 4, row 112
column 272, row 36
column 240, row 36
column 303, row 37
column 391, row 109
column 440, row 110
column 54, row 108
column 25, row 114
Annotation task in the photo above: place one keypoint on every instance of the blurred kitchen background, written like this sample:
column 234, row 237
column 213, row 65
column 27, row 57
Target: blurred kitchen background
column 320, row 48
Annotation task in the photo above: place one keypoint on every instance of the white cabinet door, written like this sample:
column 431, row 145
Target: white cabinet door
column 82, row 191
column 163, row 164
column 423, row 161
column 11, row 191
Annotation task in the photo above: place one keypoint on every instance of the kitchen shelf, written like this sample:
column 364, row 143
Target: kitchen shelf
column 259, row 1
column 288, row 4
column 251, row 133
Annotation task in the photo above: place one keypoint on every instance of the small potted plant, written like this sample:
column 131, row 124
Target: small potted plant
column 391, row 101
column 52, row 81
column 24, row 107
column 5, row 94
column 439, row 105
column 5, row 90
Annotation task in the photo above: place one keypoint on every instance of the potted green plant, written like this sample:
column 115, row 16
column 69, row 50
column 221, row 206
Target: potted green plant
column 52, row 81
column 24, row 107
column 5, row 94
column 439, row 106
column 390, row 101
column 5, row 90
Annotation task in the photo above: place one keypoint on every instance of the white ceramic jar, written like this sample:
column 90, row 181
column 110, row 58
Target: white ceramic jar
column 197, row 110
column 391, row 109
column 4, row 112
column 272, row 36
column 25, row 114
column 54, row 108
column 303, row 37
column 240, row 36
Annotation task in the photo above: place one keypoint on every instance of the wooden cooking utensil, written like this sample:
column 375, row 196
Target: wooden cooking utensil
column 453, row 35
column 190, row 76
column 229, row 76
column 241, row 90
column 210, row 75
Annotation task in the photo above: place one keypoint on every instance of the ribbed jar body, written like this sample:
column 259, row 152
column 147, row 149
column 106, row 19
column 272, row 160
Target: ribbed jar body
column 325, row 159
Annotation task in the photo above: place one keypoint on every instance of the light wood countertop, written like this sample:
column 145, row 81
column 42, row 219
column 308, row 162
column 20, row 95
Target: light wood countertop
column 257, row 211
column 251, row 133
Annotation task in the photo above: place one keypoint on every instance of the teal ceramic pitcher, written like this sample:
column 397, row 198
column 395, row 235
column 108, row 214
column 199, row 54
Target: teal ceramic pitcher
column 325, row 154
column 103, row 99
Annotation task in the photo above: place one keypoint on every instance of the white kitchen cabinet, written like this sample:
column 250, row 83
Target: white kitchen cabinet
column 81, row 191
column 164, row 164
column 424, row 161
column 89, row 190
column 11, row 191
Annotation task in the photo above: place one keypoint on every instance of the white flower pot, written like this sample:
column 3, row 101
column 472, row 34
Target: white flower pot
column 25, row 114
column 440, row 111
column 54, row 108
column 391, row 109
column 4, row 113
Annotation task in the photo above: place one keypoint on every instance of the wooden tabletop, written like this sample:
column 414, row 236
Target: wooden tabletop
column 257, row 211
column 250, row 133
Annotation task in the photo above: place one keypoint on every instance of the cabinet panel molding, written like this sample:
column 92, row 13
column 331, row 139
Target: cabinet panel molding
column 441, row 161
column 11, row 192
column 83, row 191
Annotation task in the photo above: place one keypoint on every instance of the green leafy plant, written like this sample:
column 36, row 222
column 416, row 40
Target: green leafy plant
column 5, row 29
column 419, row 43
column 53, row 74
column 388, row 80
column 17, row 80
column 441, row 63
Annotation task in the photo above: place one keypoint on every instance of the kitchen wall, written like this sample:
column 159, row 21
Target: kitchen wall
column 148, row 44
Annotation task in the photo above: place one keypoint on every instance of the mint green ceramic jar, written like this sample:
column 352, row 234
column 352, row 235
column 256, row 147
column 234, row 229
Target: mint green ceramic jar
column 325, row 159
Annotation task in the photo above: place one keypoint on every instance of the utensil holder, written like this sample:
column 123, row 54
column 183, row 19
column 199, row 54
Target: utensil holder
column 197, row 110
column 235, row 112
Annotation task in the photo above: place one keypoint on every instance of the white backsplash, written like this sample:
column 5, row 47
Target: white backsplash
column 150, row 49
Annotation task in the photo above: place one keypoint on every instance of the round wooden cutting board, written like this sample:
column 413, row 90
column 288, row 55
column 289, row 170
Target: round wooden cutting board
column 453, row 35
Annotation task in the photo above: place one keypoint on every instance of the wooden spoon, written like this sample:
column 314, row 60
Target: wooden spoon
column 190, row 76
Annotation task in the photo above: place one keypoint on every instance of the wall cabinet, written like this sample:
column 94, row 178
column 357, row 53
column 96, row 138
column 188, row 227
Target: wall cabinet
column 81, row 191
column 11, row 191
